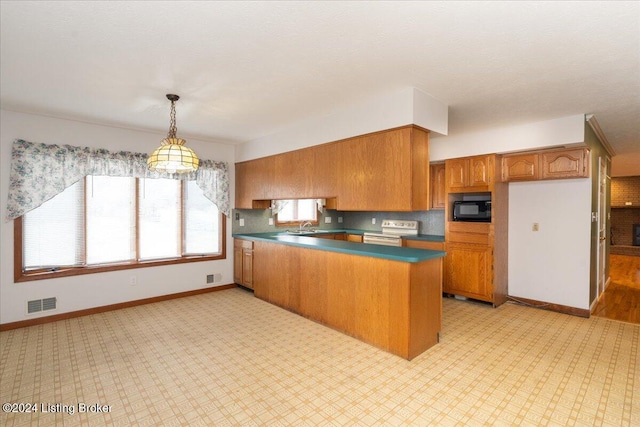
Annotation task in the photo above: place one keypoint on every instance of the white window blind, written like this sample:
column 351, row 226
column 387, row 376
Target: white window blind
column 159, row 220
column 94, row 222
column 110, row 205
column 201, row 222
column 53, row 232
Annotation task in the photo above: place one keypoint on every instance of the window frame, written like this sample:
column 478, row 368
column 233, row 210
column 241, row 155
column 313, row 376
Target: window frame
column 315, row 221
column 20, row 275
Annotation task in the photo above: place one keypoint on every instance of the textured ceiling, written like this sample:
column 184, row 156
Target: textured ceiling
column 245, row 70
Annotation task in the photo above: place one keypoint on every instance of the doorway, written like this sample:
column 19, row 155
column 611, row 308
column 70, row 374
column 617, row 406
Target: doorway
column 621, row 299
column 602, row 255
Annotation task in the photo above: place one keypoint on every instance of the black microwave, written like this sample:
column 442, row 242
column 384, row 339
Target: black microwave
column 472, row 210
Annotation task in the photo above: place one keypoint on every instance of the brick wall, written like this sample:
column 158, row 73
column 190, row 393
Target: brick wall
column 622, row 221
column 625, row 189
column 623, row 217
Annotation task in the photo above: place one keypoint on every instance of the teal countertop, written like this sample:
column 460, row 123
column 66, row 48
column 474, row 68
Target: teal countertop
column 376, row 251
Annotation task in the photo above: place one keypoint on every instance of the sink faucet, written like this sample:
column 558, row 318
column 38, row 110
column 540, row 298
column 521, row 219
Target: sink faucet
column 304, row 224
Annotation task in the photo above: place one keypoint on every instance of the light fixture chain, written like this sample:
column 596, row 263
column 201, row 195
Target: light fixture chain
column 173, row 129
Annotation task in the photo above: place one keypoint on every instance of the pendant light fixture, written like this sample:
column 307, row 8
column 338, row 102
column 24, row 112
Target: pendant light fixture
column 172, row 156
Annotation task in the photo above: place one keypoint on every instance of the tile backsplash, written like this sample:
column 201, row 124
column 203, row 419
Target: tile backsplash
column 257, row 220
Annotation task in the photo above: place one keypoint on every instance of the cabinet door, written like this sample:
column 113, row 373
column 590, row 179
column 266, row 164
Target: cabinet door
column 480, row 172
column 237, row 265
column 247, row 268
column 467, row 271
column 456, row 174
column 375, row 172
column 323, row 171
column 565, row 164
column 438, row 194
column 523, row 167
column 244, row 181
column 356, row 238
column 254, row 181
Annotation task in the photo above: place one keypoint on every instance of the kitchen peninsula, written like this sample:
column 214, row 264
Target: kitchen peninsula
column 390, row 297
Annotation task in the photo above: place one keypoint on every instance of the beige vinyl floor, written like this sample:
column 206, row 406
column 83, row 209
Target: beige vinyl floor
column 228, row 359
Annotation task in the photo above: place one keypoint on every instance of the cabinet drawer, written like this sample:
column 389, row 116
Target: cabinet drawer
column 424, row 244
column 479, row 239
column 354, row 238
column 470, row 227
column 240, row 243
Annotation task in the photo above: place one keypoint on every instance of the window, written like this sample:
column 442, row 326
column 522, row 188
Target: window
column 297, row 211
column 109, row 223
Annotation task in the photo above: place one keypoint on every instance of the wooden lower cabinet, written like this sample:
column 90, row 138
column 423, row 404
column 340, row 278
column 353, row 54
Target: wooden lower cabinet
column 423, row 244
column 243, row 262
column 468, row 271
column 393, row 305
column 355, row 238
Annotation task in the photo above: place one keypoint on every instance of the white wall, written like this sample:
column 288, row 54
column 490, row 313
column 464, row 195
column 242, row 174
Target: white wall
column 548, row 133
column 552, row 264
column 95, row 290
column 627, row 164
column 386, row 111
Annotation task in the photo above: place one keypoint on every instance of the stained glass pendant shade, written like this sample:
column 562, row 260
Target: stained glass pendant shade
column 173, row 156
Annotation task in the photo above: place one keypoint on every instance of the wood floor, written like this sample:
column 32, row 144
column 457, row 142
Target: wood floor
column 621, row 299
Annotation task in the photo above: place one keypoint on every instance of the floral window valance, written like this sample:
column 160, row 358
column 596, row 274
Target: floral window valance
column 41, row 171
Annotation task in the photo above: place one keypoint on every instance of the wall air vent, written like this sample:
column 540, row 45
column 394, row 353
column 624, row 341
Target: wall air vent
column 214, row 278
column 38, row 305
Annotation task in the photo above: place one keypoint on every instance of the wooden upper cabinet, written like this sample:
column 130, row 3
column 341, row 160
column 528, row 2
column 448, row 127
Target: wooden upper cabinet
column 437, row 176
column 255, row 184
column 549, row 164
column 521, row 167
column 374, row 172
column 292, row 176
column 385, row 171
column 323, row 169
column 565, row 164
column 481, row 171
column 457, row 171
column 470, row 174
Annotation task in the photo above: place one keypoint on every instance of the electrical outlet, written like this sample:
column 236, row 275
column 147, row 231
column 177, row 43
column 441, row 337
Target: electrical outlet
column 327, row 220
column 339, row 220
column 241, row 222
column 373, row 221
column 133, row 280
column 237, row 216
column 535, row 227
column 270, row 221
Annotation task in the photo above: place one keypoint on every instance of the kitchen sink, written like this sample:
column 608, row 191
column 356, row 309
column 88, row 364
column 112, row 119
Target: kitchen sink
column 307, row 231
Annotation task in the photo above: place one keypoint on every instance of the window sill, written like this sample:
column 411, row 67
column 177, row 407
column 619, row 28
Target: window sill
column 27, row 276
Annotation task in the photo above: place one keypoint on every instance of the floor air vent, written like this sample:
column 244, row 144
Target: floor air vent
column 41, row 305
